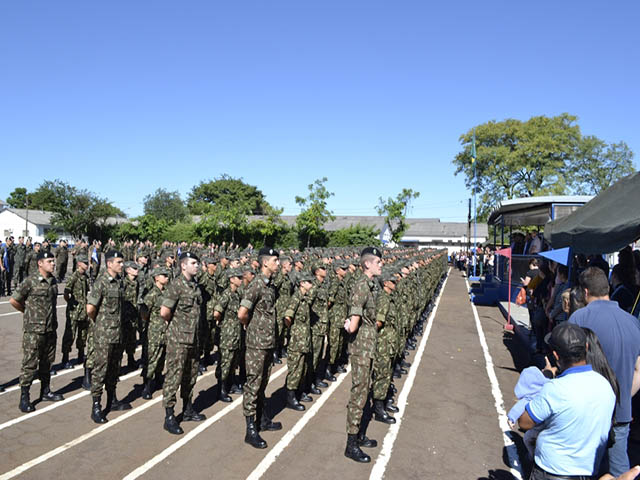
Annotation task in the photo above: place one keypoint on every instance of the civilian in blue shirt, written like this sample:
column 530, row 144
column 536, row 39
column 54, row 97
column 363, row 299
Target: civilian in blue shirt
column 619, row 335
column 575, row 410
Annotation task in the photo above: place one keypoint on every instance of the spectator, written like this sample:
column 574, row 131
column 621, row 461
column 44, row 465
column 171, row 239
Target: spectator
column 554, row 307
column 535, row 246
column 619, row 335
column 575, row 408
column 531, row 273
column 622, row 293
column 601, row 263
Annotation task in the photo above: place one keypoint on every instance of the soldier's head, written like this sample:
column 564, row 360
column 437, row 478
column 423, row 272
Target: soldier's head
column 115, row 262
column 248, row 274
column 169, row 260
column 142, row 258
column 319, row 271
column 189, row 263
column 371, row 261
column 160, row 276
column 82, row 263
column 211, row 264
column 235, row 277
column 268, row 259
column 46, row 263
column 36, row 247
column 131, row 269
column 285, row 264
column 305, row 281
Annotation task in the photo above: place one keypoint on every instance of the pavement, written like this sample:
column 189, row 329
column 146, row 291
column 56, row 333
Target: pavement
column 451, row 422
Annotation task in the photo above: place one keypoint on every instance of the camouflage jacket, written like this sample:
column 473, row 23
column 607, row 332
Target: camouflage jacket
column 39, row 296
column 386, row 315
column 157, row 329
column 230, row 326
column 320, row 308
column 108, row 297
column 77, row 288
column 222, row 281
column 363, row 303
column 284, row 284
column 339, row 308
column 131, row 295
column 184, row 299
column 259, row 298
column 300, row 313
column 209, row 289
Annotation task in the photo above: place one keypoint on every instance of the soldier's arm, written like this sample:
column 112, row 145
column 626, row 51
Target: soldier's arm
column 19, row 296
column 94, row 299
column 382, row 308
column 249, row 299
column 290, row 312
column 169, row 303
column 358, row 299
column 221, row 306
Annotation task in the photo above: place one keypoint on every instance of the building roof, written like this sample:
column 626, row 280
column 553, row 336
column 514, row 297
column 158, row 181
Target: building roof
column 532, row 210
column 37, row 217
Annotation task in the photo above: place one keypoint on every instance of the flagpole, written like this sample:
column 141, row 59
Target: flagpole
column 475, row 208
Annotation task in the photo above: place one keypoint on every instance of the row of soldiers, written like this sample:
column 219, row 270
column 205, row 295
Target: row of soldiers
column 297, row 306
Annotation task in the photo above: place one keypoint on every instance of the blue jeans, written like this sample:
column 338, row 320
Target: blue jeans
column 616, row 461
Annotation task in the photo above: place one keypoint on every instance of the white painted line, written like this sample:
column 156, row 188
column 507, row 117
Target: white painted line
column 17, row 312
column 76, row 441
column 284, row 442
column 515, row 466
column 141, row 470
column 384, row 456
column 59, row 373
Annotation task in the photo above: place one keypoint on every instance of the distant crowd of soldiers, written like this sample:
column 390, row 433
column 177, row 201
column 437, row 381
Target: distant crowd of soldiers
column 190, row 306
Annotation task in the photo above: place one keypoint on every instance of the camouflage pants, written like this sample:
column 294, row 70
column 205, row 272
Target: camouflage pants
column 182, row 371
column 90, row 349
column 382, row 367
column 336, row 339
column 61, row 270
column 258, row 365
column 228, row 362
column 18, row 274
column 317, row 342
column 208, row 334
column 156, row 353
column 296, row 363
column 74, row 330
column 360, row 380
column 106, row 365
column 129, row 326
column 39, row 351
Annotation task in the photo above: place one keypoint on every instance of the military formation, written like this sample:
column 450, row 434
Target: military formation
column 192, row 306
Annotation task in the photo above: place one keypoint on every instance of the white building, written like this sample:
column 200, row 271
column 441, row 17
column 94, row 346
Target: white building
column 20, row 222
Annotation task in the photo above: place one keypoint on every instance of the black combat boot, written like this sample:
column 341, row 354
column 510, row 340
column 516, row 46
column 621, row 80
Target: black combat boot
column 328, row 375
column 393, row 388
column 340, row 369
column 292, row 401
column 364, row 441
column 315, row 390
column 86, row 381
column 147, row 390
column 224, row 394
column 267, row 424
column 276, row 359
column 80, row 356
column 25, row 405
column 252, row 436
column 353, row 451
column 235, row 388
column 190, row 415
column 319, row 383
column 66, row 364
column 46, row 395
column 201, row 367
column 405, row 364
column 396, row 371
column 115, row 405
column 390, row 407
column 1, row 389
column 96, row 411
column 380, row 414
column 170, row 422
column 305, row 398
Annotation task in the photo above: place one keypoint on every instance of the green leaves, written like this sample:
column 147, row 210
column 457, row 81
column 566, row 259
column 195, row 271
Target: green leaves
column 166, row 206
column 315, row 213
column 395, row 211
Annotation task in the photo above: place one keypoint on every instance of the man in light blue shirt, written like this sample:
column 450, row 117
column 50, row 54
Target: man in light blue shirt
column 576, row 409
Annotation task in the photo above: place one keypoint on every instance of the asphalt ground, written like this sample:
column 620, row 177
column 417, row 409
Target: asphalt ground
column 451, row 422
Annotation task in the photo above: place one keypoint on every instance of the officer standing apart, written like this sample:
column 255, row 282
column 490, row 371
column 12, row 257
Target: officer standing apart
column 361, row 324
column 104, row 307
column 258, row 315
column 36, row 297
column 181, row 310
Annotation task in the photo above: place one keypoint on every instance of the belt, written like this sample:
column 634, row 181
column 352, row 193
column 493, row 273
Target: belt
column 552, row 476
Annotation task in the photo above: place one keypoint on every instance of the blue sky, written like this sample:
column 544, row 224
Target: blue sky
column 123, row 97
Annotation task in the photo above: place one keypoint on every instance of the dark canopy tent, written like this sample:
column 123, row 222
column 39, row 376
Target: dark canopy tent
column 606, row 224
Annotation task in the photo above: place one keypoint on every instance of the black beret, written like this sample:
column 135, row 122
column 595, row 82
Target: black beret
column 371, row 251
column 268, row 252
column 112, row 254
column 43, row 254
column 184, row 255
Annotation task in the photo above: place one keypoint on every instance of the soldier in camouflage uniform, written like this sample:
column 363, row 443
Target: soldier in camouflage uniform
column 297, row 317
column 337, row 316
column 30, row 262
column 36, row 297
column 181, row 310
column 21, row 253
column 362, row 345
column 62, row 259
column 319, row 324
column 156, row 329
column 104, row 307
column 130, row 312
column 257, row 314
column 284, row 285
column 226, row 316
column 209, row 331
column 77, row 322
column 385, row 348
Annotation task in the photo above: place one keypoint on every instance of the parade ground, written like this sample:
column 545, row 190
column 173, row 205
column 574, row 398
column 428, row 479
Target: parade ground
column 451, row 424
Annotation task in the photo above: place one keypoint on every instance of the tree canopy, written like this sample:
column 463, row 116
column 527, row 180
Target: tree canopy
column 226, row 192
column 315, row 213
column 166, row 206
column 395, row 212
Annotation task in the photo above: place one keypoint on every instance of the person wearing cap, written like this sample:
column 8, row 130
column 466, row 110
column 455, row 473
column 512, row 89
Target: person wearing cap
column 319, row 323
column 285, row 286
column 156, row 329
column 62, row 260
column 77, row 322
column 209, row 331
column 36, row 297
column 361, row 325
column 386, row 317
column 226, row 316
column 297, row 317
column 104, row 307
column 576, row 409
column 337, row 316
column 31, row 262
column 257, row 314
column 181, row 310
column 130, row 312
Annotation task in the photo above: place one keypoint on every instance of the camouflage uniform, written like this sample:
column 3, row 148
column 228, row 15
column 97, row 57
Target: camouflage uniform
column 39, row 296
column 62, row 259
column 209, row 330
column 183, row 297
column 107, row 296
column 386, row 345
column 284, row 286
column 19, row 273
column 319, row 321
column 131, row 315
column 77, row 321
column 259, row 298
column 362, row 347
column 337, row 316
column 230, row 333
column 299, row 346
column 156, row 334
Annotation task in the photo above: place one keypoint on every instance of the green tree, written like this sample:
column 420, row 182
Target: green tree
column 395, row 212
column 269, row 226
column 518, row 159
column 18, row 198
column 356, row 235
column 166, row 205
column 145, row 227
column 315, row 213
column 597, row 166
column 223, row 192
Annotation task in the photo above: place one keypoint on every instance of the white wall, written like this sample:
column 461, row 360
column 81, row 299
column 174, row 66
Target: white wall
column 442, row 242
column 12, row 224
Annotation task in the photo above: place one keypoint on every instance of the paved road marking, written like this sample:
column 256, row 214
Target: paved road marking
column 20, row 313
column 515, row 466
column 62, row 448
column 384, row 456
column 141, row 470
column 284, row 442
column 59, row 373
